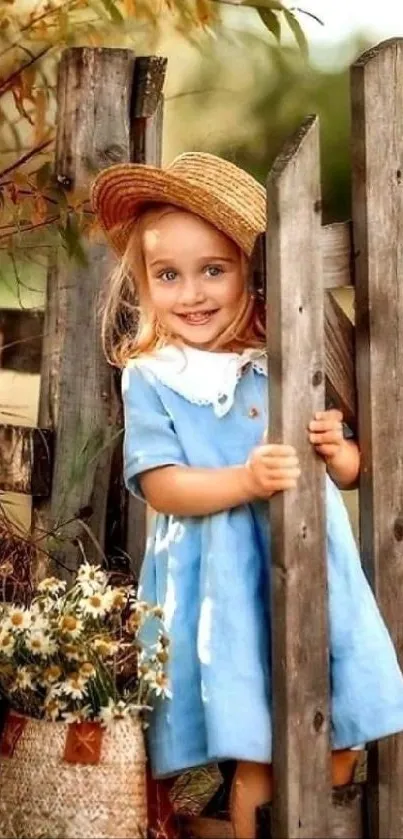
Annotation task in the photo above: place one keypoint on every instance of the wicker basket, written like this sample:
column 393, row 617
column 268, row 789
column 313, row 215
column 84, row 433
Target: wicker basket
column 72, row 781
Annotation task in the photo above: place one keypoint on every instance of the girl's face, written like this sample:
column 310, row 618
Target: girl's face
column 195, row 275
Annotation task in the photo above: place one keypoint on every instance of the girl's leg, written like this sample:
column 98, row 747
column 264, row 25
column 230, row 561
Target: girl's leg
column 344, row 762
column 252, row 786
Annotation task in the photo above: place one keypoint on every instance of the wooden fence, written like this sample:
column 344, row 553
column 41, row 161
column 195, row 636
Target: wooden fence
column 71, row 463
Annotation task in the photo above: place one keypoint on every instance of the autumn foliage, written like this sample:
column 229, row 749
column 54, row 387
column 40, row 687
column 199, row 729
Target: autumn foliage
column 36, row 213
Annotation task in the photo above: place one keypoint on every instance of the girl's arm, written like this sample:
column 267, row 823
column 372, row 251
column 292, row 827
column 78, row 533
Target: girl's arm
column 342, row 457
column 344, row 466
column 188, row 491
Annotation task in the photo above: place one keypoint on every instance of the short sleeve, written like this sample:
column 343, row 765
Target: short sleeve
column 150, row 439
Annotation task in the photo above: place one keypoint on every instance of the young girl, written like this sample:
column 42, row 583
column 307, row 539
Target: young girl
column 195, row 391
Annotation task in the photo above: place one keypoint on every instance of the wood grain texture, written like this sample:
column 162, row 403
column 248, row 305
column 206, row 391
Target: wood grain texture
column 79, row 397
column 339, row 341
column 25, row 460
column 146, row 148
column 377, row 148
column 340, row 366
column 297, row 520
column 337, row 255
column 346, row 815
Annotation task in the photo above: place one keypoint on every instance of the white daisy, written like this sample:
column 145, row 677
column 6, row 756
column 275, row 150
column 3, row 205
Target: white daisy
column 18, row 619
column 39, row 622
column 116, row 598
column 80, row 715
column 104, row 648
column 113, row 711
column 87, row 670
column 90, row 578
column 53, row 707
column 7, row 643
column 39, row 643
column 95, row 605
column 23, row 679
column 140, row 606
column 51, row 586
column 74, row 686
column 71, row 625
column 71, row 652
column 162, row 688
column 51, row 674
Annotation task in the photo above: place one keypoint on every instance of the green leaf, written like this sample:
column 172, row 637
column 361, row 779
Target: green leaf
column 271, row 22
column 275, row 5
column 114, row 12
column 70, row 235
column 297, row 31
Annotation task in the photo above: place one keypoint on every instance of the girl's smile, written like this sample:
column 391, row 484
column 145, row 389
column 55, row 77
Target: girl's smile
column 196, row 277
column 198, row 318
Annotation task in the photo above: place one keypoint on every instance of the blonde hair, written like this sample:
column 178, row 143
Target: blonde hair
column 130, row 327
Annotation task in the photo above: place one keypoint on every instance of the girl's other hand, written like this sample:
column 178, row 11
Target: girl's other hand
column 326, row 433
column 272, row 468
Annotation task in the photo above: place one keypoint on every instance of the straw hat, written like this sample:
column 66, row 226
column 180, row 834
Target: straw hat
column 209, row 186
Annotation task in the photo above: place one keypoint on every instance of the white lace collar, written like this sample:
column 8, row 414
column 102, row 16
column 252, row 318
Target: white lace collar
column 200, row 376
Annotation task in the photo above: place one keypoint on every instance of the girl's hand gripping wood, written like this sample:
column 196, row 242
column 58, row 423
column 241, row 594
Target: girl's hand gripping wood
column 273, row 467
column 342, row 457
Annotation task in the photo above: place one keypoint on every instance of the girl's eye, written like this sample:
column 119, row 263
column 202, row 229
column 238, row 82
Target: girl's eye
column 167, row 276
column 213, row 270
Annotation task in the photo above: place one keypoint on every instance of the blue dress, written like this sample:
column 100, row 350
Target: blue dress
column 209, row 576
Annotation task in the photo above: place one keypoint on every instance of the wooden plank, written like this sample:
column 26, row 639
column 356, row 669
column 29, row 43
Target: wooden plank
column 346, row 814
column 339, row 342
column 79, row 393
column 337, row 255
column 347, row 811
column 193, row 827
column 146, row 148
column 25, row 460
column 21, row 332
column 377, row 149
column 149, row 77
column 340, row 361
column 297, row 518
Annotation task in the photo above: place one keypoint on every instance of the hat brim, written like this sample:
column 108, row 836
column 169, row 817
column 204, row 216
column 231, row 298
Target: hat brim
column 120, row 192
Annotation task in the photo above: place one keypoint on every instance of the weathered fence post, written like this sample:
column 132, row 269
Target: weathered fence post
column 377, row 148
column 100, row 92
column 295, row 320
column 147, row 148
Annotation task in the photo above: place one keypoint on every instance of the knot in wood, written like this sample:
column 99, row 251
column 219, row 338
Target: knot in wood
column 398, row 529
column 317, row 378
column 318, row 720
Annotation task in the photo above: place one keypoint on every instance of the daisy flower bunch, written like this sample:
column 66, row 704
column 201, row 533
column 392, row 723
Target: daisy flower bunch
column 92, row 652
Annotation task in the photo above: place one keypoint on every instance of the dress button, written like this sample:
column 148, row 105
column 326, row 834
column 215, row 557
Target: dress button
column 253, row 412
